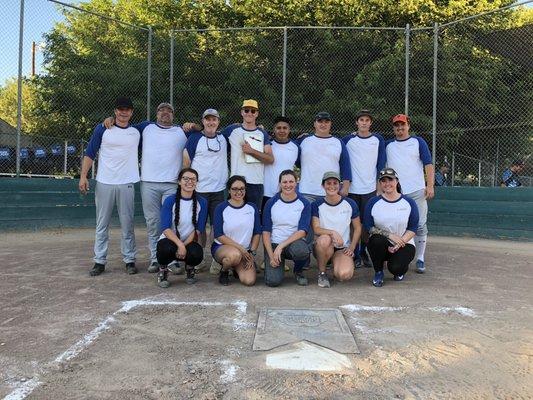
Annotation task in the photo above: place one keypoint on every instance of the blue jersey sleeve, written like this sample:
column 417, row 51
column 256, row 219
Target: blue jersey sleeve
column 368, row 219
column 202, row 215
column 267, row 214
column 266, row 137
column 192, row 144
column 305, row 218
column 344, row 163
column 95, row 141
column 257, row 220
column 314, row 208
column 166, row 212
column 355, row 209
column 218, row 219
column 412, row 223
column 141, row 126
column 425, row 154
column 382, row 154
column 228, row 129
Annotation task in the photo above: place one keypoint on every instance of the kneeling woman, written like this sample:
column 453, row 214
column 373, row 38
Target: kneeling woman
column 236, row 229
column 333, row 218
column 183, row 219
column 286, row 222
column 392, row 220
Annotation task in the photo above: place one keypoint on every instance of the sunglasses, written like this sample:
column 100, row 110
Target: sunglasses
column 215, row 149
column 237, row 189
column 249, row 110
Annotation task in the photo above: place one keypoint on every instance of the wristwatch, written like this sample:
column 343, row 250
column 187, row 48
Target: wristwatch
column 252, row 252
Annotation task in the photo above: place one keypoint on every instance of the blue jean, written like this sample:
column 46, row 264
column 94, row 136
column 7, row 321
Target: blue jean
column 254, row 194
column 297, row 251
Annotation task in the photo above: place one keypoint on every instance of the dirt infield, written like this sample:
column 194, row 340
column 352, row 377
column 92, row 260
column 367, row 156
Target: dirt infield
column 463, row 330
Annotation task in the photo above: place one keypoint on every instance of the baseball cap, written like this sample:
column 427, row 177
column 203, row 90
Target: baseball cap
column 165, row 105
column 331, row 174
column 211, row 111
column 400, row 118
column 387, row 173
column 518, row 162
column 363, row 113
column 250, row 104
column 123, row 102
column 323, row 115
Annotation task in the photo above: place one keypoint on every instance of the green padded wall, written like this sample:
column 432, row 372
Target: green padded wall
column 30, row 204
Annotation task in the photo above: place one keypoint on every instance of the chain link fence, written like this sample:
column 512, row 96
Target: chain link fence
column 467, row 85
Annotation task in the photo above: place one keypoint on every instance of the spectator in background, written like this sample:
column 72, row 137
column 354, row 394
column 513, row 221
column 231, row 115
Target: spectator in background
column 510, row 176
column 441, row 176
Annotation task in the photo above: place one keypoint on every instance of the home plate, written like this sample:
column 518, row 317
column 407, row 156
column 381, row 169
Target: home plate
column 305, row 356
column 325, row 327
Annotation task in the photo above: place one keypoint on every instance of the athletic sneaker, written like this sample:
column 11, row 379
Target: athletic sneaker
column 323, row 280
column 176, row 268
column 378, row 279
column 131, row 269
column 190, row 275
column 399, row 278
column 200, row 267
column 301, row 280
column 162, row 278
column 358, row 262
column 420, row 267
column 97, row 269
column 223, row 278
column 215, row 267
column 153, row 267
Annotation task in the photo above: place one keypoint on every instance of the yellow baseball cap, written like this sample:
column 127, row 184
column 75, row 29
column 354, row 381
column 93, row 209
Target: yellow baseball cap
column 250, row 104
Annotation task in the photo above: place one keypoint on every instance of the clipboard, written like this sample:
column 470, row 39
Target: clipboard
column 256, row 141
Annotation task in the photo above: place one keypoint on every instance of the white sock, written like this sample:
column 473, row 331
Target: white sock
column 420, row 243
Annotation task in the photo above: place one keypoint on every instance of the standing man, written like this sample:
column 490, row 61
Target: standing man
column 161, row 162
column 510, row 176
column 367, row 157
column 409, row 156
column 118, row 170
column 250, row 151
column 285, row 153
column 320, row 153
column 207, row 153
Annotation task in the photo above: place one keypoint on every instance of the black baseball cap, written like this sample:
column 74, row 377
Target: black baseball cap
column 124, row 102
column 323, row 115
column 387, row 173
column 519, row 162
column 364, row 113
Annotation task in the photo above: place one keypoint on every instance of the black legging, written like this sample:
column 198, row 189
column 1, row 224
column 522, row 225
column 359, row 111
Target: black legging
column 397, row 262
column 166, row 252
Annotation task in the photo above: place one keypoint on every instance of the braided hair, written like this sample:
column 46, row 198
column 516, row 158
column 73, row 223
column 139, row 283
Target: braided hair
column 178, row 202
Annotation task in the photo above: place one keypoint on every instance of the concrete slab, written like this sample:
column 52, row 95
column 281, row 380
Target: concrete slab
column 323, row 326
column 304, row 356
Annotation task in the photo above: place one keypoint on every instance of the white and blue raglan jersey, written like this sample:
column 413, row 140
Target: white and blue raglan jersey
column 118, row 152
column 319, row 155
column 367, row 158
column 285, row 156
column 253, row 172
column 209, row 156
column 408, row 157
column 336, row 217
column 394, row 216
column 185, row 226
column 238, row 223
column 162, row 152
column 282, row 218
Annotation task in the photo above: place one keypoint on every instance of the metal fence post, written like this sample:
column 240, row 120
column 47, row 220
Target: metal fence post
column 453, row 168
column 171, row 97
column 19, row 86
column 407, row 50
column 284, row 79
column 435, row 62
column 65, row 163
column 149, row 83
